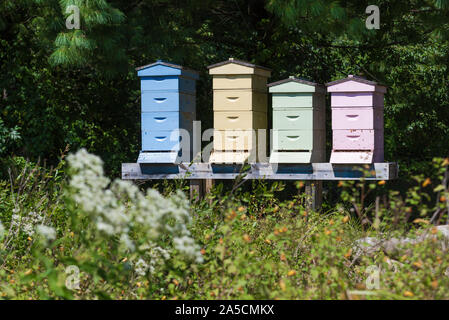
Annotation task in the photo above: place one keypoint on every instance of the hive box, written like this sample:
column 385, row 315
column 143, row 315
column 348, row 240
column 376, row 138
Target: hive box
column 357, row 120
column 167, row 113
column 240, row 108
column 298, row 121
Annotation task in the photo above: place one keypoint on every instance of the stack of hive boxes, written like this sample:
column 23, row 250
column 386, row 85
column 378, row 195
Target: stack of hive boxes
column 298, row 121
column 357, row 120
column 240, row 108
column 168, row 110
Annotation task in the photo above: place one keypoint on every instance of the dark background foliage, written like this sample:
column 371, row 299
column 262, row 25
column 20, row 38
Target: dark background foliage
column 79, row 88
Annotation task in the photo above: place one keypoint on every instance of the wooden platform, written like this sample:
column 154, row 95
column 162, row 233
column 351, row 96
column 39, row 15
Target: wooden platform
column 314, row 171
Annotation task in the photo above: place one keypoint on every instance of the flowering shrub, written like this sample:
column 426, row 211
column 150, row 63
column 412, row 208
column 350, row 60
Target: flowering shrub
column 119, row 209
column 27, row 223
column 111, row 231
column 83, row 236
column 2, row 231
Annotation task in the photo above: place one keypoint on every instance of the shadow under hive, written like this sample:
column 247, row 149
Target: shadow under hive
column 168, row 110
column 240, row 107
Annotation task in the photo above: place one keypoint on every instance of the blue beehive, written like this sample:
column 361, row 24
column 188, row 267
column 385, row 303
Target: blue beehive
column 168, row 106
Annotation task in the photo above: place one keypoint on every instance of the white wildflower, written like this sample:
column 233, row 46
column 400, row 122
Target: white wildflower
column 186, row 246
column 26, row 223
column 127, row 242
column 15, row 220
column 49, row 233
column 2, row 231
column 163, row 253
column 105, row 227
column 118, row 208
column 154, row 256
column 141, row 267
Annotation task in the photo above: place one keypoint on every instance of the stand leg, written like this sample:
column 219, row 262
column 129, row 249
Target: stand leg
column 208, row 184
column 196, row 190
column 314, row 192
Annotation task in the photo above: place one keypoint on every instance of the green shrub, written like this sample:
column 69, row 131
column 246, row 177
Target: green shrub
column 71, row 222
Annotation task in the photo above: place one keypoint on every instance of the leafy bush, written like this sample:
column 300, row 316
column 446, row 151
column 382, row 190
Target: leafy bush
column 122, row 243
column 111, row 231
column 7, row 137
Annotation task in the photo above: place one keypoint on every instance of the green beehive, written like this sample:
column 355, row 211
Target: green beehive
column 298, row 121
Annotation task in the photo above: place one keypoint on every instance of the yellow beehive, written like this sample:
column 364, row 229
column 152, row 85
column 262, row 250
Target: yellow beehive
column 240, row 107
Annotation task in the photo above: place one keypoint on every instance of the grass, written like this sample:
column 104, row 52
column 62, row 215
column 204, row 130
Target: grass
column 256, row 242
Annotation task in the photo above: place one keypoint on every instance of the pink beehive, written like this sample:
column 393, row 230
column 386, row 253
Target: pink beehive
column 357, row 120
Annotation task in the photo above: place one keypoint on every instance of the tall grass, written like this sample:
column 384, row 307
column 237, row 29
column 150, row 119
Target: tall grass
column 70, row 232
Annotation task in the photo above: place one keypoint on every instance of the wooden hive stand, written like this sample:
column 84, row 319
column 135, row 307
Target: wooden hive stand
column 312, row 173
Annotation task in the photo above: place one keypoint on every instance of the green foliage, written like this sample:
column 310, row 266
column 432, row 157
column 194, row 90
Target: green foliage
column 7, row 137
column 253, row 245
column 79, row 87
column 112, row 233
column 98, row 36
column 67, row 89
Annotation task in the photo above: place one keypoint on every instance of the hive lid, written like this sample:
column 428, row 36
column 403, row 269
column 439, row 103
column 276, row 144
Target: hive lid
column 235, row 66
column 163, row 68
column 292, row 84
column 355, row 84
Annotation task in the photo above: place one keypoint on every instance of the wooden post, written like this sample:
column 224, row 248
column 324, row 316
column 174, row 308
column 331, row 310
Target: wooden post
column 314, row 192
column 199, row 188
column 196, row 189
column 302, row 172
column 208, row 184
